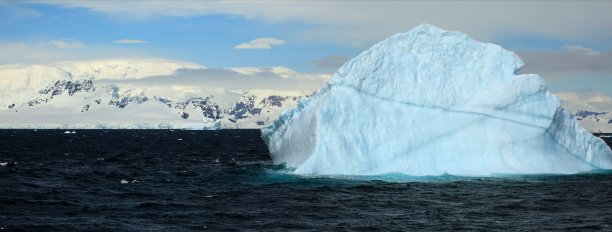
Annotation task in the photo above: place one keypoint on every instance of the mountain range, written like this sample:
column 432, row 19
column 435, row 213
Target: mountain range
column 140, row 94
column 169, row 94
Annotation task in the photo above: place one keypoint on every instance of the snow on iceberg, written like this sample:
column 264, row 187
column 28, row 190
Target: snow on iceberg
column 430, row 102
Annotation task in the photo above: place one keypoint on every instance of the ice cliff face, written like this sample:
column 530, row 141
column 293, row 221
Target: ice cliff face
column 429, row 102
column 592, row 109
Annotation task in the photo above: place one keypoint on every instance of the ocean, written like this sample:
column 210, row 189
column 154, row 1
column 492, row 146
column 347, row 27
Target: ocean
column 173, row 180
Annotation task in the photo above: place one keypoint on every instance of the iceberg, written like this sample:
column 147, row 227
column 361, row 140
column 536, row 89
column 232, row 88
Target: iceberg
column 433, row 102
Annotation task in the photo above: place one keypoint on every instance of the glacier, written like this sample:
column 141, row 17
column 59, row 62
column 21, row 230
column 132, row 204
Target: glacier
column 433, row 102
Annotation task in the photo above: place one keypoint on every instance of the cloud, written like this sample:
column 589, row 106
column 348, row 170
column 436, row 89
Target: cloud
column 575, row 61
column 260, row 43
column 244, row 78
column 279, row 71
column 130, row 41
column 44, row 53
column 361, row 23
column 581, row 49
column 20, row 52
column 65, row 43
column 578, row 68
column 331, row 63
column 14, row 12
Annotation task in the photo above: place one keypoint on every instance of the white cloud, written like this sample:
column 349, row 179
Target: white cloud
column 20, row 52
column 260, row 43
column 581, row 49
column 282, row 72
column 241, row 78
column 15, row 12
column 44, row 53
column 130, row 41
column 65, row 43
column 361, row 23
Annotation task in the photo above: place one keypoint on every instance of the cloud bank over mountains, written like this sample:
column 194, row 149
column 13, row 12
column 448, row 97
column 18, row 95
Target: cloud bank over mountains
column 171, row 75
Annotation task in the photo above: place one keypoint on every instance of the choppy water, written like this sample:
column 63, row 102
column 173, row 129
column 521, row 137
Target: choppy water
column 162, row 180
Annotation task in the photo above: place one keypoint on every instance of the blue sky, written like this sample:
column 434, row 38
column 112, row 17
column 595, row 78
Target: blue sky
column 206, row 39
column 307, row 36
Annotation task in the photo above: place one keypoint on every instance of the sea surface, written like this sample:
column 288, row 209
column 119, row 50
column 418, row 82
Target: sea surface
column 164, row 180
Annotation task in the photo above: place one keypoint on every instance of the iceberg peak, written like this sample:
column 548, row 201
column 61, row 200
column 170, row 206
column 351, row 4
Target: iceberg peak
column 428, row 55
column 426, row 27
column 429, row 102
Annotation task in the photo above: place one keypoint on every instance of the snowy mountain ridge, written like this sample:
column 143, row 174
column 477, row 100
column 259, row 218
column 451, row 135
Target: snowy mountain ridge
column 15, row 79
column 91, row 95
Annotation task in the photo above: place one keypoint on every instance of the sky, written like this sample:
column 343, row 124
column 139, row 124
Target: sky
column 568, row 43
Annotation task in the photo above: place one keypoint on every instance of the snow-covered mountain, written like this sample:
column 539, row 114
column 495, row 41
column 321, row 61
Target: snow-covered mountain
column 592, row 109
column 149, row 93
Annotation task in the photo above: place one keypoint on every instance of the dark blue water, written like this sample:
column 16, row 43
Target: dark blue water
column 161, row 180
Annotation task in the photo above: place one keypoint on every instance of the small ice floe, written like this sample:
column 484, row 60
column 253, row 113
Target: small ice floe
column 4, row 164
column 124, row 181
column 180, row 139
column 66, row 132
column 217, row 160
column 605, row 136
column 208, row 196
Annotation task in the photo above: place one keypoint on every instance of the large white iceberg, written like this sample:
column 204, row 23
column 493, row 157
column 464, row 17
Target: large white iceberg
column 433, row 102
